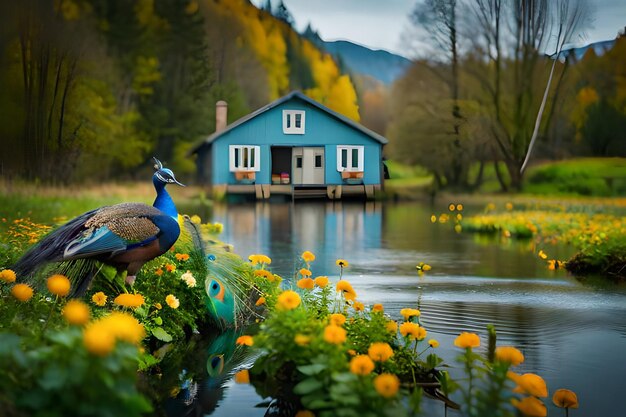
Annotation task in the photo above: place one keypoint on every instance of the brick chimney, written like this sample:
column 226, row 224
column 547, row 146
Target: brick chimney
column 221, row 113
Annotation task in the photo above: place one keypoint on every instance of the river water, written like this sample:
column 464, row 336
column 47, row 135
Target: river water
column 573, row 334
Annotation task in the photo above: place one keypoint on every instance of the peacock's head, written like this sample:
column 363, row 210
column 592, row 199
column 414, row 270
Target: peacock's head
column 164, row 175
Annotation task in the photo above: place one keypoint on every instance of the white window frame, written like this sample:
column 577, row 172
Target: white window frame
column 289, row 122
column 349, row 149
column 252, row 165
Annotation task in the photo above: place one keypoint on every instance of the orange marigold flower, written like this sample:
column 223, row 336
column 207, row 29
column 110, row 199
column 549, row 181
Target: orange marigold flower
column 387, row 385
column 467, row 340
column 334, row 334
column 172, row 301
column 391, row 326
column 245, row 340
column 302, row 340
column 308, row 256
column 337, row 319
column 242, row 377
column 509, row 354
column 413, row 330
column 123, row 326
column 305, row 272
column 22, row 292
column 98, row 340
column 380, row 351
column 306, row 283
column 7, row 275
column 158, row 272
column 260, row 301
column 342, row 263
column 346, row 290
column 76, row 312
column 531, row 384
column 378, row 307
column 99, row 299
column 565, row 398
column 288, row 300
column 170, row 267
column 361, row 365
column 129, row 300
column 264, row 274
column 182, row 256
column 358, row 306
column 530, row 406
column 58, row 285
column 433, row 343
column 407, row 313
column 321, row 281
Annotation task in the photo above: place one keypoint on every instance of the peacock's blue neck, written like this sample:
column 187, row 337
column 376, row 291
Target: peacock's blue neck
column 163, row 200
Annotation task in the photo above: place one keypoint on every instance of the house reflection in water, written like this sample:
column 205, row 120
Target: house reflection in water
column 284, row 230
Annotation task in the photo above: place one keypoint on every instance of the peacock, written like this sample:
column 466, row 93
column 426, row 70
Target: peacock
column 125, row 236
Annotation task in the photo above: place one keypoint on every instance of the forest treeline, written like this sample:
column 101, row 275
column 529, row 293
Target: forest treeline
column 92, row 88
column 489, row 68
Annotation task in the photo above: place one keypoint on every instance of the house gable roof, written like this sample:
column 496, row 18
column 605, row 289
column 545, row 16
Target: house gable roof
column 294, row 94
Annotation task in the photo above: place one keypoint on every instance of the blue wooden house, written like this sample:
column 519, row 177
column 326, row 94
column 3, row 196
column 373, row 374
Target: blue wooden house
column 293, row 146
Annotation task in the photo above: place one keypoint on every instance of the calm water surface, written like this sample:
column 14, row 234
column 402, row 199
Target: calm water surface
column 572, row 334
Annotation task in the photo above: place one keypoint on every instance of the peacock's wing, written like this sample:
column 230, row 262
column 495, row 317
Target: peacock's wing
column 114, row 229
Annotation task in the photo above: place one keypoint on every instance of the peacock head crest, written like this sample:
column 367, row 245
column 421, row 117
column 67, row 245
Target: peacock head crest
column 164, row 175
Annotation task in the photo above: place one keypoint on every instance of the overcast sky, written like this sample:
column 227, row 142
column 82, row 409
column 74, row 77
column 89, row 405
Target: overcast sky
column 379, row 24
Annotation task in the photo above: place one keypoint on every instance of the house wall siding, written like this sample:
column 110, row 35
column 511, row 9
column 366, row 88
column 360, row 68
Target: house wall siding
column 321, row 129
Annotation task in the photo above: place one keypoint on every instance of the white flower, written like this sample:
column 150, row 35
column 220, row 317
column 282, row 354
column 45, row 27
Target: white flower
column 189, row 279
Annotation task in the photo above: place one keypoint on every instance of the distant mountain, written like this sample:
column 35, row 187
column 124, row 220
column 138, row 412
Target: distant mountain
column 381, row 65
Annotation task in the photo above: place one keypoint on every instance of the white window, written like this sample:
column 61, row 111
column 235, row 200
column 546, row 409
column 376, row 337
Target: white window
column 349, row 158
column 244, row 158
column 293, row 122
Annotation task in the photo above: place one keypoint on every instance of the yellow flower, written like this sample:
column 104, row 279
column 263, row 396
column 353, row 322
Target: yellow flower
column 260, row 301
column 170, row 267
column 334, row 334
column 530, row 406
column 361, row 365
column 196, row 219
column 99, row 299
column 426, row 267
column 158, row 306
column 542, row 254
column 76, row 312
column 58, row 285
column 259, row 259
column 98, row 340
column 302, row 340
column 342, row 263
column 304, row 413
column 451, row 207
column 378, row 307
column 265, row 274
column 358, row 306
column 129, row 300
column 380, row 351
column 306, row 283
column 305, row 272
column 346, row 290
column 7, row 275
column 242, row 377
column 509, row 206
column 337, row 319
column 531, row 384
column 433, row 343
column 288, row 300
column 22, row 292
column 459, row 207
column 554, row 264
column 565, row 398
column 245, row 340
column 321, row 281
column 123, row 326
column 413, row 330
column 391, row 326
column 308, row 256
column 407, row 313
column 433, row 218
column 387, row 385
column 509, row 354
column 172, row 301
column 467, row 340
column 182, row 256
